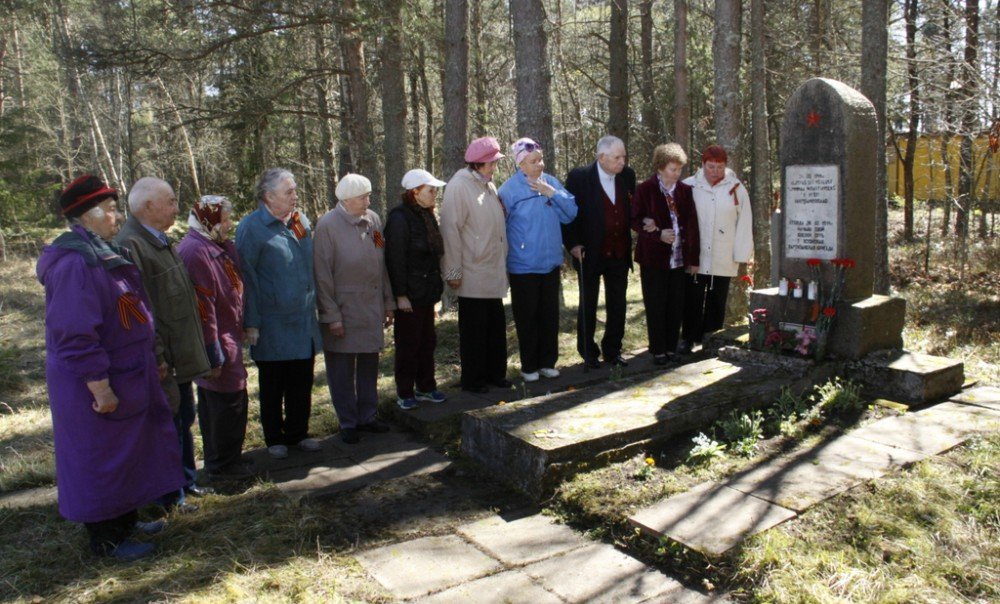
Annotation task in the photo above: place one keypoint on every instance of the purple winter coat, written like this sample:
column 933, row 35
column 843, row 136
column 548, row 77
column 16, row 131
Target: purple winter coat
column 215, row 270
column 98, row 325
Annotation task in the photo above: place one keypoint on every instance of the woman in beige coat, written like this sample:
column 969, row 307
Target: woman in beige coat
column 473, row 226
column 355, row 304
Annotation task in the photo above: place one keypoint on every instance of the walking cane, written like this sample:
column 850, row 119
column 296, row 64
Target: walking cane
column 583, row 320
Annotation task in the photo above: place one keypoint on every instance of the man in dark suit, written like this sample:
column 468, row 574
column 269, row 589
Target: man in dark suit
column 599, row 239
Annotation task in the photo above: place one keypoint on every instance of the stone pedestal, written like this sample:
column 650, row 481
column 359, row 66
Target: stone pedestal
column 860, row 327
column 909, row 377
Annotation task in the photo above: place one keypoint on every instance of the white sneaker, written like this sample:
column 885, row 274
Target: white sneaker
column 549, row 372
column 530, row 377
column 278, row 451
column 310, row 444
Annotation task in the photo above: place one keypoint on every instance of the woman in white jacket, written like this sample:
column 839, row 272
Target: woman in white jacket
column 725, row 224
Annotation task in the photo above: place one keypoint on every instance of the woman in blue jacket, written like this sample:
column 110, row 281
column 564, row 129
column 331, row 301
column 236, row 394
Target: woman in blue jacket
column 536, row 204
column 275, row 247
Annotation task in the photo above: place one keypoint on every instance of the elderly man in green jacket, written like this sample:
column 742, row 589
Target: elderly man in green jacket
column 180, row 345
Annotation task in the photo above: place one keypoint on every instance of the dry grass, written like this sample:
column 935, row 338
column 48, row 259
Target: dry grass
column 927, row 535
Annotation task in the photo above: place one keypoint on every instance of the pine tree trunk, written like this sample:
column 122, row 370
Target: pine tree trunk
column 532, row 77
column 320, row 86
column 726, row 50
column 359, row 121
column 913, row 83
column 651, row 123
column 874, row 41
column 761, row 162
column 456, row 85
column 393, row 100
column 618, row 91
column 682, row 85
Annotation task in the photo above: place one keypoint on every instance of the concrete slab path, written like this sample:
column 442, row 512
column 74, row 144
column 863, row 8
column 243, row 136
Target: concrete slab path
column 714, row 517
column 527, row 559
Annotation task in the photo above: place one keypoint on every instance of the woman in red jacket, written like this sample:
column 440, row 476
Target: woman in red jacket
column 667, row 247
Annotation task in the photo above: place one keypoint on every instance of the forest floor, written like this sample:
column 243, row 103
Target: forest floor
column 927, row 534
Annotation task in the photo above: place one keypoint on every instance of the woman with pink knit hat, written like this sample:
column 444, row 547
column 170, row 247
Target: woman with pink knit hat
column 474, row 266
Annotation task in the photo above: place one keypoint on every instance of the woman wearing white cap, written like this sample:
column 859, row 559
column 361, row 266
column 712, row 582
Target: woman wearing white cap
column 355, row 304
column 413, row 250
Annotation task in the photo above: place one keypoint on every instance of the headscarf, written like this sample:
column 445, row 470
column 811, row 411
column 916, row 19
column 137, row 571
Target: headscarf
column 206, row 216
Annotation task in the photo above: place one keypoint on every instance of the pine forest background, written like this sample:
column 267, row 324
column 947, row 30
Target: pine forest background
column 207, row 94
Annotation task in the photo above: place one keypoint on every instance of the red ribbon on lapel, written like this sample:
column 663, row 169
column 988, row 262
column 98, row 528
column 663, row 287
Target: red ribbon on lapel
column 378, row 239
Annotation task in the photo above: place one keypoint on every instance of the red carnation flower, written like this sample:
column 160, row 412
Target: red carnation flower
column 747, row 279
column 829, row 311
column 813, row 261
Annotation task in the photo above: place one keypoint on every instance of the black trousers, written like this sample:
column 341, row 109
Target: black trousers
column 222, row 417
column 288, row 382
column 106, row 535
column 415, row 342
column 534, row 300
column 705, row 306
column 663, row 293
column 615, row 274
column 482, row 341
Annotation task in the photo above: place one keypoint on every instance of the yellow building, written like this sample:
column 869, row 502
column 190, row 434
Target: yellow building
column 929, row 177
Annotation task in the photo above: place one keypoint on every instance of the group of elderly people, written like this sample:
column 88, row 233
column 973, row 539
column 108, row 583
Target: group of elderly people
column 133, row 321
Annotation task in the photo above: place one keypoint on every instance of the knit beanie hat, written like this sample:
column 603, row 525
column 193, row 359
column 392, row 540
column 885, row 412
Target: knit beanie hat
column 84, row 193
column 353, row 185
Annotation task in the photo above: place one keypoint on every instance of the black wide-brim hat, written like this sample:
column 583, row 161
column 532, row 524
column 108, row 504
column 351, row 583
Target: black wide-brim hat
column 84, row 193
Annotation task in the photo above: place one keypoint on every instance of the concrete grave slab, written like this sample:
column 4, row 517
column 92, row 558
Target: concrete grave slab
column 932, row 430
column 711, row 518
column 981, row 396
column 410, row 463
column 430, row 564
column 443, row 418
column 806, row 477
column 266, row 465
column 509, row 587
column 523, row 540
column 335, row 475
column 600, row 573
column 909, row 377
column 529, row 444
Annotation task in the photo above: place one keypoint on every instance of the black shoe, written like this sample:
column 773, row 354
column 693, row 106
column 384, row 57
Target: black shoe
column 661, row 359
column 617, row 361
column 196, row 490
column 593, row 363
column 374, row 426
column 349, row 435
column 684, row 347
column 476, row 389
column 504, row 383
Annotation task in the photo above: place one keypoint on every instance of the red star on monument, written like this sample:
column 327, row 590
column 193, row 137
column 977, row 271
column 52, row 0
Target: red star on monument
column 813, row 119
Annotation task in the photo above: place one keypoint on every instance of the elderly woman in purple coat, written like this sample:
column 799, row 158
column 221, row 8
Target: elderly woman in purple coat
column 115, row 442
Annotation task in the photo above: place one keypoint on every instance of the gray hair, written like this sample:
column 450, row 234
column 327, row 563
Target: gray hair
column 142, row 191
column 607, row 143
column 96, row 213
column 269, row 182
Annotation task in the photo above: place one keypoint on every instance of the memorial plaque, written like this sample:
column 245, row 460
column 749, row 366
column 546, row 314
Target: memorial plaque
column 812, row 211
